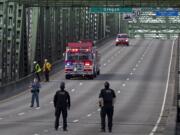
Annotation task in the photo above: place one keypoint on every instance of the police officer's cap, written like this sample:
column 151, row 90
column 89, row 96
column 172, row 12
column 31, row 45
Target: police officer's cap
column 106, row 84
column 62, row 85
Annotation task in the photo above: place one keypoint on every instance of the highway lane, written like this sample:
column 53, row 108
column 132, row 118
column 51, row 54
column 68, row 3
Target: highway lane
column 138, row 73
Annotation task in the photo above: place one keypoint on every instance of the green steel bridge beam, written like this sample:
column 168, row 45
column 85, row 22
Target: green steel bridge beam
column 85, row 3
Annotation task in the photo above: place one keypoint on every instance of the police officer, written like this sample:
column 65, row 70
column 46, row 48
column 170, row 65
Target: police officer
column 61, row 104
column 106, row 102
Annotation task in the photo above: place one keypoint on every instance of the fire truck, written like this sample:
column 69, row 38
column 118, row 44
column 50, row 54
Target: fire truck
column 81, row 60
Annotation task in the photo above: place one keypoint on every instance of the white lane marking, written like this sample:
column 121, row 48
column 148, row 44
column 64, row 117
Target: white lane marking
column 80, row 83
column 73, row 90
column 98, row 109
column 89, row 115
column 141, row 58
column 137, row 65
column 1, row 118
column 37, row 108
column 104, row 64
column 45, row 130
column 165, row 94
column 119, row 92
column 127, row 79
column 109, row 60
column 139, row 61
column 131, row 73
column 51, row 102
column 93, row 112
column 123, row 84
column 36, row 134
column 134, row 69
column 75, row 121
column 20, row 114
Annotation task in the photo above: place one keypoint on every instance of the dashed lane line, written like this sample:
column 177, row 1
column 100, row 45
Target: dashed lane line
column 45, row 131
column 72, row 90
column 51, row 102
column 89, row 115
column 75, row 121
column 37, row 108
column 98, row 109
column 123, row 84
column 22, row 113
column 80, row 83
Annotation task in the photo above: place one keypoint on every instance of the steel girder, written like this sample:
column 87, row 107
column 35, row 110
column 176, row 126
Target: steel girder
column 85, row 3
column 13, row 47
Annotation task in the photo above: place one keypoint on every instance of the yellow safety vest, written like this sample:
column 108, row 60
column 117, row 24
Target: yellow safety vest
column 37, row 68
column 47, row 66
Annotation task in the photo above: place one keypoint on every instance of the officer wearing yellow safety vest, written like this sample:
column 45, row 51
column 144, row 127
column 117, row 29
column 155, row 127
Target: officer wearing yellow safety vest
column 37, row 70
column 46, row 69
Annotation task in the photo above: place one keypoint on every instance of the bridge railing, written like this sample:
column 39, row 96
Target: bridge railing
column 19, row 86
column 177, row 84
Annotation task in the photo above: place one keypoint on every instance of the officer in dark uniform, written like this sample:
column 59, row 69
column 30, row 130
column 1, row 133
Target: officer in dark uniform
column 106, row 102
column 61, row 104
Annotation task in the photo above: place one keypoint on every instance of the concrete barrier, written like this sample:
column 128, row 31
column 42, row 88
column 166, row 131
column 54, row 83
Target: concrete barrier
column 170, row 128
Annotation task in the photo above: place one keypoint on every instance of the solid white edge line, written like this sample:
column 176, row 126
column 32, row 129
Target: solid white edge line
column 165, row 94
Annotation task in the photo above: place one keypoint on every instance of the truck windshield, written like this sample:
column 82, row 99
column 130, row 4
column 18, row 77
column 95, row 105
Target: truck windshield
column 78, row 56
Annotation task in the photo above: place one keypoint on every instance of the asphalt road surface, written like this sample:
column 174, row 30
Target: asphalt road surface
column 138, row 74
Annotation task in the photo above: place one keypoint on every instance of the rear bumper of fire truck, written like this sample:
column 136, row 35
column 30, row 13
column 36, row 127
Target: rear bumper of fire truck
column 75, row 74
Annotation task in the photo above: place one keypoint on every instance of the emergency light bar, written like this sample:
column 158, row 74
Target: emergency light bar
column 78, row 50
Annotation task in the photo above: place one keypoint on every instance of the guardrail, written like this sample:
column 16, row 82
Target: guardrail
column 177, row 83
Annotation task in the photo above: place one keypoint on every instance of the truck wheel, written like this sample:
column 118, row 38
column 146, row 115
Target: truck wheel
column 91, row 77
column 68, row 77
column 94, row 74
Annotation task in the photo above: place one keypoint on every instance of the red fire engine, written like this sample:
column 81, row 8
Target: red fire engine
column 82, row 59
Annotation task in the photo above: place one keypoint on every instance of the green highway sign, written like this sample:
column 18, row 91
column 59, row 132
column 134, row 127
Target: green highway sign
column 109, row 10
